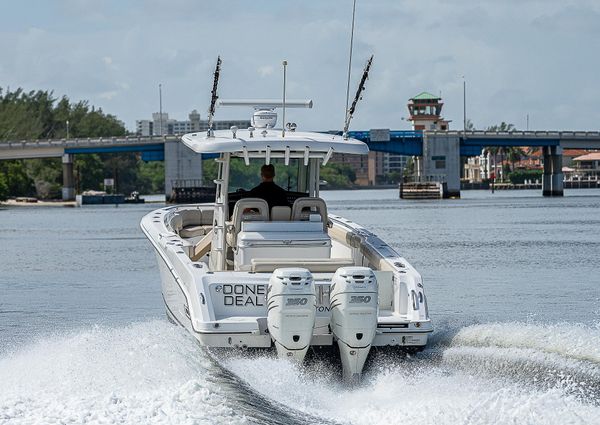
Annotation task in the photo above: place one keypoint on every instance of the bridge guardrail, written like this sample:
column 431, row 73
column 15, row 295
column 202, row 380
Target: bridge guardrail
column 86, row 142
column 518, row 133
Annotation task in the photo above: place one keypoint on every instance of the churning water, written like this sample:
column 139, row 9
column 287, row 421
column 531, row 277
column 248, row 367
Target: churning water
column 513, row 284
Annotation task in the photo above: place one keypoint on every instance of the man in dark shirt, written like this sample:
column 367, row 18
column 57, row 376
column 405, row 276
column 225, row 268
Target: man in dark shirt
column 268, row 190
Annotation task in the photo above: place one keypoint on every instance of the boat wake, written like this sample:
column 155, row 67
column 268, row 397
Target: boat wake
column 143, row 373
column 148, row 372
column 496, row 373
column 152, row 372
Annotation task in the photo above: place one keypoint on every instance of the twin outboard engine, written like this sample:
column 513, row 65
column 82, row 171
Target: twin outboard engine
column 354, row 297
column 291, row 304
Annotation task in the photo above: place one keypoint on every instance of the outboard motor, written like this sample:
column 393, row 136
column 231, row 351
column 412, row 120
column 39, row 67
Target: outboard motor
column 354, row 298
column 291, row 304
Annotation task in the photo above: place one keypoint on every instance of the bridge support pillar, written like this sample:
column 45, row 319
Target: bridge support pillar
column 552, row 180
column 441, row 163
column 183, row 167
column 68, row 190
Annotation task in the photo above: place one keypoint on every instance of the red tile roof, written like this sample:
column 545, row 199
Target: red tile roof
column 594, row 156
column 574, row 152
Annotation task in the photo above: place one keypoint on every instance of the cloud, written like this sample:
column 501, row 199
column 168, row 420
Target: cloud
column 108, row 95
column 265, row 71
column 518, row 57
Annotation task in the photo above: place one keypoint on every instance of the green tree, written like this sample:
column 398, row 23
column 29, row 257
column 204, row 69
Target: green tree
column 503, row 151
column 38, row 115
column 89, row 172
column 17, row 179
column 47, row 176
column 519, row 176
column 469, row 125
column 338, row 176
column 514, row 154
column 151, row 177
column 3, row 188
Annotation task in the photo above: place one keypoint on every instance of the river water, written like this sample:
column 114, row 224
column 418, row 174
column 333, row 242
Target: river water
column 512, row 280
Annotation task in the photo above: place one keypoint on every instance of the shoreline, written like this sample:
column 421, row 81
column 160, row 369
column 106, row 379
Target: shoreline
column 73, row 204
column 47, row 203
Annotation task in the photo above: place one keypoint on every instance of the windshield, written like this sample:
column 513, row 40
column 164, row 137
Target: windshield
column 245, row 177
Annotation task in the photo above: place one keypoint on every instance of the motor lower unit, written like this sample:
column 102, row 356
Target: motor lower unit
column 354, row 308
column 291, row 304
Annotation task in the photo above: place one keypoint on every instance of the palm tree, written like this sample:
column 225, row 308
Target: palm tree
column 515, row 154
column 503, row 127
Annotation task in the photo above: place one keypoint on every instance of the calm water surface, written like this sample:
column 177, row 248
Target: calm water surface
column 512, row 280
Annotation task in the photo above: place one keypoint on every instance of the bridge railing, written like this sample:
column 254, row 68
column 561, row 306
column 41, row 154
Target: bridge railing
column 87, row 141
column 518, row 133
column 427, row 178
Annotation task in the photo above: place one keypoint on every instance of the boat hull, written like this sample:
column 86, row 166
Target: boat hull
column 209, row 305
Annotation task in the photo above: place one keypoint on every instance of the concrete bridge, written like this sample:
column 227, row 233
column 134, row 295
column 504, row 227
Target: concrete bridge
column 439, row 152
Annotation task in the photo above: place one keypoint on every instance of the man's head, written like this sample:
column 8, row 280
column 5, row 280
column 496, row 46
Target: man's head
column 267, row 172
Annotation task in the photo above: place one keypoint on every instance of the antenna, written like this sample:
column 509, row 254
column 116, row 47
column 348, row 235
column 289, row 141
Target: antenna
column 214, row 97
column 283, row 124
column 350, row 61
column 357, row 96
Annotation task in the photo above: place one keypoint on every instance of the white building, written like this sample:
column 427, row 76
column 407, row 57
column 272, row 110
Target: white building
column 394, row 163
column 163, row 125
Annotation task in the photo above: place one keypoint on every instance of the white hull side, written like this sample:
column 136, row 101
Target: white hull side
column 186, row 290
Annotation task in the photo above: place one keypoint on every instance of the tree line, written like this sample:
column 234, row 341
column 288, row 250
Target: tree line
column 41, row 115
column 511, row 154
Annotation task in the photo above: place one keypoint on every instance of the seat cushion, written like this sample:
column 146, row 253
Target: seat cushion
column 281, row 213
column 192, row 231
column 323, row 265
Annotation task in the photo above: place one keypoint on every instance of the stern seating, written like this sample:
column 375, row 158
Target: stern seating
column 281, row 213
column 190, row 223
column 247, row 209
column 315, row 265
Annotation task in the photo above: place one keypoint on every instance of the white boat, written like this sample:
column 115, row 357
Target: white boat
column 239, row 275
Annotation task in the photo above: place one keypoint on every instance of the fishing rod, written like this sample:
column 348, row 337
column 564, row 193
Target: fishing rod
column 357, row 96
column 214, row 97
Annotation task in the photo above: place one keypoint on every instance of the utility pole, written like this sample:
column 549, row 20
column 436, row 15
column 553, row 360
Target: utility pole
column 160, row 108
column 464, row 107
column 284, row 80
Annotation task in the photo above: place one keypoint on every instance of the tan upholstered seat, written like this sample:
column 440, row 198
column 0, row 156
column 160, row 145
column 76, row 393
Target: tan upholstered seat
column 193, row 231
column 304, row 207
column 248, row 209
column 281, row 213
column 190, row 223
column 317, row 265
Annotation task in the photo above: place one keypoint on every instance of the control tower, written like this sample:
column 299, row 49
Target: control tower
column 436, row 172
column 425, row 112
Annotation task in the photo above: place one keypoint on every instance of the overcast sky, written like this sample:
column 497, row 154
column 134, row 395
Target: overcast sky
column 540, row 58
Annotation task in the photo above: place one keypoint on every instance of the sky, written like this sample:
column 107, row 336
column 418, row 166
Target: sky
column 518, row 58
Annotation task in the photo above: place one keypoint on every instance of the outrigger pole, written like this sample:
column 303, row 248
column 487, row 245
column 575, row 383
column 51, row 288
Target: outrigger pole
column 350, row 61
column 214, row 97
column 357, row 96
